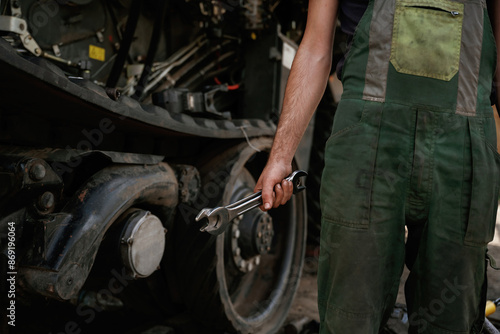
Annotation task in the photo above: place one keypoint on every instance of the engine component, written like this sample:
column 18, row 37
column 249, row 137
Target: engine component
column 20, row 27
column 142, row 242
column 181, row 99
column 189, row 183
column 70, row 239
column 257, row 233
column 172, row 99
column 254, row 14
column 268, row 278
column 93, row 169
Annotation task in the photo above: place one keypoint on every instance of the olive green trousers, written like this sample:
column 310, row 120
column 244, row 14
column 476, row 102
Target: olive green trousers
column 417, row 154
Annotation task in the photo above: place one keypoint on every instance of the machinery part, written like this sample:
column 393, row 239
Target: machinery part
column 133, row 19
column 13, row 24
column 256, row 234
column 152, row 50
column 44, row 83
column 62, row 261
column 113, row 93
column 220, row 217
column 181, row 99
column 189, row 183
column 252, row 233
column 46, row 202
column 37, row 173
column 20, row 27
column 254, row 14
column 253, row 299
column 488, row 327
column 177, row 59
column 142, row 242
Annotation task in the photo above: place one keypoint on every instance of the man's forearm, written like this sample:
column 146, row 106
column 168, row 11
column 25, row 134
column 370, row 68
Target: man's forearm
column 299, row 104
column 308, row 79
column 306, row 84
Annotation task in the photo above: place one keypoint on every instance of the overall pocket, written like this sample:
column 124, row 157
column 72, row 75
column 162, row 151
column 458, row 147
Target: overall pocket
column 350, row 166
column 485, row 183
column 426, row 38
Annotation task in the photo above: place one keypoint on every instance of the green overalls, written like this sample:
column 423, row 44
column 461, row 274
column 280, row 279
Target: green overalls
column 413, row 142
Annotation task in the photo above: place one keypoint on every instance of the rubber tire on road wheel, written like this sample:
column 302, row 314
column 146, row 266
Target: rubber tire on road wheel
column 209, row 284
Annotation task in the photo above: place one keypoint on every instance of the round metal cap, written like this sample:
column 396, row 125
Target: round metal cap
column 142, row 243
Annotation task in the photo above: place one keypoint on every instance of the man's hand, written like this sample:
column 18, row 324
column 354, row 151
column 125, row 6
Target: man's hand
column 275, row 190
column 305, row 87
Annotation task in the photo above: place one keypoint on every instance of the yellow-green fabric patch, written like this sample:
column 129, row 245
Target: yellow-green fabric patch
column 426, row 38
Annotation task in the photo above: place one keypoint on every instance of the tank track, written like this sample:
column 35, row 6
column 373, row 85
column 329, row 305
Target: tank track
column 42, row 81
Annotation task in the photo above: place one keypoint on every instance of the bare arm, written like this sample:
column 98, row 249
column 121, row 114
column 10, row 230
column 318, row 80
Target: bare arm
column 305, row 87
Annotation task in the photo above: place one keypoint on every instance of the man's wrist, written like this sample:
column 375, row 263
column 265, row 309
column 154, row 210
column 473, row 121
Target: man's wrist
column 280, row 159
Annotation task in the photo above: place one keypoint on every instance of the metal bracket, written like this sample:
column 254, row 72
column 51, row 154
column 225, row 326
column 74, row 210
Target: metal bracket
column 20, row 27
column 210, row 99
column 205, row 102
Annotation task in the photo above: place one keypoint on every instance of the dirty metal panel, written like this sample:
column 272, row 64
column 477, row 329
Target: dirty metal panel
column 25, row 81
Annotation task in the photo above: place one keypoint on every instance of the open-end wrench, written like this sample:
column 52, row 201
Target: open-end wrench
column 219, row 218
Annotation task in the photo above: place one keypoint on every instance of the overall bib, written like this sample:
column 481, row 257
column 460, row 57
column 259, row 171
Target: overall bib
column 413, row 143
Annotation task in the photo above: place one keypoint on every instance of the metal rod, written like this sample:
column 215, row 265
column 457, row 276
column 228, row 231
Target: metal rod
column 133, row 18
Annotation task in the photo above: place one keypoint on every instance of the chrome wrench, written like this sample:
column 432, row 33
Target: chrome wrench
column 219, row 218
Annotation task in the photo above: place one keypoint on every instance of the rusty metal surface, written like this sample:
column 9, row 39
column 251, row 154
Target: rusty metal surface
column 60, row 266
column 21, row 76
column 67, row 155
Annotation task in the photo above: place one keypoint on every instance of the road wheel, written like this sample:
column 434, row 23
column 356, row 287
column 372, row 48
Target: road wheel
column 245, row 279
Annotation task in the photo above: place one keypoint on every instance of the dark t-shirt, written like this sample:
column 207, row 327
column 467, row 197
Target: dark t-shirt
column 350, row 12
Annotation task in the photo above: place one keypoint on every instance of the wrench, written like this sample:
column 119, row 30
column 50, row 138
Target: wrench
column 219, row 218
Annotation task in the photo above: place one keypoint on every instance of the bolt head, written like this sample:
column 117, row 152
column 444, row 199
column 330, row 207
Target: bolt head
column 46, row 201
column 37, row 172
column 236, row 234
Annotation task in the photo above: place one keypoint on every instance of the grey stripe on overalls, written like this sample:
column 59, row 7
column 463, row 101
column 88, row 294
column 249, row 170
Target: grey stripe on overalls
column 470, row 58
column 470, row 54
column 380, row 50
